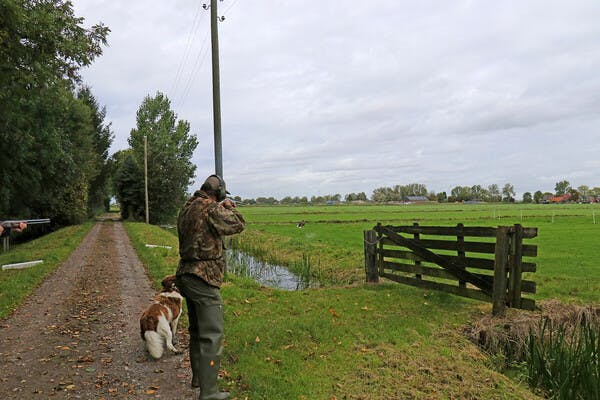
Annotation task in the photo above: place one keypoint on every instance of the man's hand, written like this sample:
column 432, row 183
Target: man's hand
column 20, row 226
column 228, row 204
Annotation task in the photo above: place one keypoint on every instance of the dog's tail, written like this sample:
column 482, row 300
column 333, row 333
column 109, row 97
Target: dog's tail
column 154, row 344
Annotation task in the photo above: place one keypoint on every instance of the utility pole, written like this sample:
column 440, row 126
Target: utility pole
column 214, row 35
column 146, row 177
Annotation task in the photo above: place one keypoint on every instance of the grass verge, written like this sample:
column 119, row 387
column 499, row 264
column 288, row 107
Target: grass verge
column 54, row 249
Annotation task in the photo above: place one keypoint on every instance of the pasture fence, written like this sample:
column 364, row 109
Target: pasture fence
column 490, row 270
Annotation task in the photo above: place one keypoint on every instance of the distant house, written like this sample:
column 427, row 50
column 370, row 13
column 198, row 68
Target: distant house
column 415, row 199
column 589, row 199
column 561, row 199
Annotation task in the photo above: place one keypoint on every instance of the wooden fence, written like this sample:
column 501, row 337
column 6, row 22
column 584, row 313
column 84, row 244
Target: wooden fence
column 490, row 270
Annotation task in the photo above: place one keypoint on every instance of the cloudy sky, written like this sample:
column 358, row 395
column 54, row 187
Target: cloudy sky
column 324, row 97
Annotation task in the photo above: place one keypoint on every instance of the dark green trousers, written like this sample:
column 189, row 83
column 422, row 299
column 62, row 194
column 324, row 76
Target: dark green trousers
column 205, row 312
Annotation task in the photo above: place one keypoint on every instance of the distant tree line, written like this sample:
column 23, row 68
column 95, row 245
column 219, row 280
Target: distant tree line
column 53, row 138
column 410, row 192
column 564, row 193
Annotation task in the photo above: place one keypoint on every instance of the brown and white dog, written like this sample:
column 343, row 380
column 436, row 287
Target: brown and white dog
column 158, row 323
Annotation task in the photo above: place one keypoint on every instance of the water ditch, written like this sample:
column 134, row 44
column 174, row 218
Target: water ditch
column 267, row 274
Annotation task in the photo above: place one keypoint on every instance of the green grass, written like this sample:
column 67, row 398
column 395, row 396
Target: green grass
column 567, row 238
column 159, row 261
column 565, row 363
column 54, row 249
column 356, row 342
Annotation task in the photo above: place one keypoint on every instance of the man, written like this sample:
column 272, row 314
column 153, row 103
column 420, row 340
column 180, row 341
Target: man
column 203, row 221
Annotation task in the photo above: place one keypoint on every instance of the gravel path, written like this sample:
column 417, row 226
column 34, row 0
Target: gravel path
column 77, row 336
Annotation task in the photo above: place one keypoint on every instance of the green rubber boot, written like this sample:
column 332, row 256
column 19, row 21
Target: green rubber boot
column 208, row 381
column 211, row 329
column 195, row 361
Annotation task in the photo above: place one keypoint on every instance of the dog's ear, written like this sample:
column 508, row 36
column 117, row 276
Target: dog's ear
column 168, row 283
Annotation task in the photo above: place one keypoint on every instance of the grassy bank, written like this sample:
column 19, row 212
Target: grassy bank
column 54, row 249
column 355, row 342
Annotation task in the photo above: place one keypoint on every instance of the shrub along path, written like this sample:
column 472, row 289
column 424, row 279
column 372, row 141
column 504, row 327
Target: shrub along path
column 77, row 335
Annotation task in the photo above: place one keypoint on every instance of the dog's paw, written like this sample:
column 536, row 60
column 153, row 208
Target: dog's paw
column 175, row 350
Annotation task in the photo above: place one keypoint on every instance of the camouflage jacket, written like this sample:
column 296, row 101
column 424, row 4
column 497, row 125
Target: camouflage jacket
column 201, row 225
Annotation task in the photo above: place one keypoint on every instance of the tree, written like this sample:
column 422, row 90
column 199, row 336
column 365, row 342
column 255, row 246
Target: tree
column 584, row 192
column 538, row 196
column 42, row 48
column 508, row 193
column 527, row 198
column 562, row 187
column 170, row 148
column 460, row 193
column 494, row 193
column 382, row 195
column 442, row 197
column 477, row 192
column 102, row 137
column 129, row 186
column 574, row 195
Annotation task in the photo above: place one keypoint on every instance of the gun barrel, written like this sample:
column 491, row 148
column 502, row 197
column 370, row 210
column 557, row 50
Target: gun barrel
column 28, row 221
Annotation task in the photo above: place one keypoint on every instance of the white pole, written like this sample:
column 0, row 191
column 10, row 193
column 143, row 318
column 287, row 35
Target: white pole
column 21, row 265
column 594, row 216
column 158, row 246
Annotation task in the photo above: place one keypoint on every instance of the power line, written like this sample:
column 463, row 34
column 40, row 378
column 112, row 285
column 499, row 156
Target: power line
column 230, row 6
column 186, row 52
column 196, row 68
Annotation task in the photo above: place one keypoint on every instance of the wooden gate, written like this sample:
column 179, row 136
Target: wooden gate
column 489, row 269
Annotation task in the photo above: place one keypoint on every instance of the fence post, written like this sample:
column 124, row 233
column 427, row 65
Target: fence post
column 461, row 251
column 370, row 238
column 417, row 237
column 500, row 261
column 515, row 267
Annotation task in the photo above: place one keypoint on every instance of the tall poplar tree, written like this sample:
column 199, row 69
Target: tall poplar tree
column 170, row 149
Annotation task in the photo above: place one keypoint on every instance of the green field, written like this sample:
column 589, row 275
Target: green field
column 332, row 237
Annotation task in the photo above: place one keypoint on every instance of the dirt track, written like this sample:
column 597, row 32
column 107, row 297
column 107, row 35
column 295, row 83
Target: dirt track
column 77, row 336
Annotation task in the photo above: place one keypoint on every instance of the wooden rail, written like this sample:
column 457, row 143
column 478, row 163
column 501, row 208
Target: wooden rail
column 488, row 269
